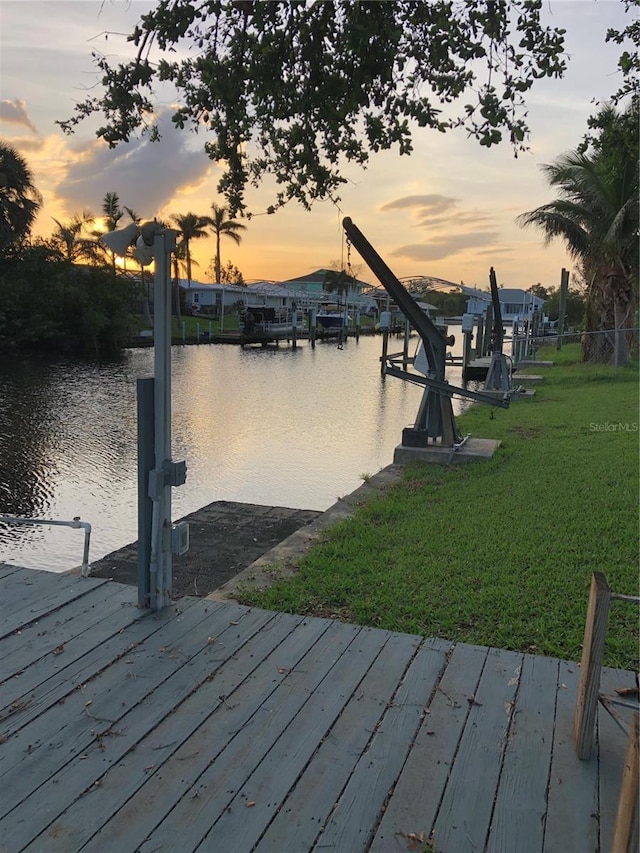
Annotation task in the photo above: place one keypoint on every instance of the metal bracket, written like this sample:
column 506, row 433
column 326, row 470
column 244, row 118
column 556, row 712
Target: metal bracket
column 175, row 472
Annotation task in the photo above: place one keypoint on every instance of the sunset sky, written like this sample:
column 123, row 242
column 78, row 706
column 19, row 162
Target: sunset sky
column 448, row 210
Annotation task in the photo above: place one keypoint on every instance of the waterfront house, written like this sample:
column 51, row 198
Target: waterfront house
column 211, row 299
column 515, row 303
column 310, row 290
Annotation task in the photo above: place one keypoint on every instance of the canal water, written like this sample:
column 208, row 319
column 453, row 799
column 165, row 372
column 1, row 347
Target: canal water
column 280, row 427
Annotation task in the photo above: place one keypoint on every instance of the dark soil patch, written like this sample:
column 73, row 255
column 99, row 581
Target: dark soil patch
column 224, row 538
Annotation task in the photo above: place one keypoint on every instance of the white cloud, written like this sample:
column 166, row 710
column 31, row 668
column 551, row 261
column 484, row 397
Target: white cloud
column 146, row 175
column 15, row 112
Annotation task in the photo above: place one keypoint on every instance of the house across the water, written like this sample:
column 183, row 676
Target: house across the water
column 300, row 293
column 515, row 303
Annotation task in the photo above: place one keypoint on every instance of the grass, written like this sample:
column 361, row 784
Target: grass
column 499, row 552
column 203, row 323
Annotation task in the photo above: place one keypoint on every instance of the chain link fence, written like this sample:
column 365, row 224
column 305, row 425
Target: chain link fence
column 597, row 347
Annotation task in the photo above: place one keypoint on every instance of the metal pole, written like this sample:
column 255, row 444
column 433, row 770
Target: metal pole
column 159, row 489
column 145, row 388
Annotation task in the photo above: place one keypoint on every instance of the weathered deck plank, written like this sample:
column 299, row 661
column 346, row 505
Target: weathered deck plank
column 65, row 730
column 272, row 780
column 9, row 575
column 521, row 804
column 417, row 795
column 309, row 803
column 611, row 755
column 305, row 716
column 22, row 589
column 33, row 707
column 236, row 737
column 48, row 594
column 7, row 569
column 216, row 727
column 57, row 657
column 357, row 812
column 75, row 778
column 572, row 816
column 277, row 642
column 465, row 811
column 39, row 638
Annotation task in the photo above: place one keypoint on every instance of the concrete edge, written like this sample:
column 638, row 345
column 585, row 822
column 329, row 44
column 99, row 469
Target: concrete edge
column 282, row 560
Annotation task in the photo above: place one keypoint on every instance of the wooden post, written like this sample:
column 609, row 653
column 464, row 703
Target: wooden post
column 564, row 286
column 405, row 346
column 383, row 357
column 466, row 349
column 312, row 327
column 592, row 651
column 486, row 338
column 625, row 831
column 479, row 336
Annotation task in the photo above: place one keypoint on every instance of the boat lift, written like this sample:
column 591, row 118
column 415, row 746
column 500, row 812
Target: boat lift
column 499, row 375
column 435, row 421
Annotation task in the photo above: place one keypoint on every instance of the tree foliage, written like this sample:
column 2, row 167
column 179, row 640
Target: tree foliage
column 296, row 89
column 449, row 303
column 230, row 274
column 20, row 199
column 629, row 61
column 190, row 227
column 70, row 238
column 338, row 281
column 222, row 224
column 49, row 304
column 596, row 215
column 574, row 307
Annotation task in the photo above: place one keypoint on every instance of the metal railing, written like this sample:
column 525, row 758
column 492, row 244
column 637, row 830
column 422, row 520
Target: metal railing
column 76, row 524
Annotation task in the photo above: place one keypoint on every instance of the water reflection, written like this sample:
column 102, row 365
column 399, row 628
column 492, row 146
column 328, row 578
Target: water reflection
column 281, row 427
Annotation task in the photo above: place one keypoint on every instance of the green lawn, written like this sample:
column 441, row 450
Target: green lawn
column 499, row 552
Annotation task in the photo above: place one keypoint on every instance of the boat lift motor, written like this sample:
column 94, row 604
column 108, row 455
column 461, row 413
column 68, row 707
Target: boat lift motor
column 435, row 421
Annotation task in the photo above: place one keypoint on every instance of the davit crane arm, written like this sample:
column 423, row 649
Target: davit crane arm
column 435, row 420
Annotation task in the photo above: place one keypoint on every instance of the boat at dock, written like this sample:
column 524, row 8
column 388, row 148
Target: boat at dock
column 331, row 316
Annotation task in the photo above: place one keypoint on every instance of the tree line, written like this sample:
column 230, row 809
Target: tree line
column 66, row 293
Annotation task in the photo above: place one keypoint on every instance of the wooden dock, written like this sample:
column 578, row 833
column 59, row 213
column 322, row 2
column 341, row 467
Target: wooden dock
column 216, row 727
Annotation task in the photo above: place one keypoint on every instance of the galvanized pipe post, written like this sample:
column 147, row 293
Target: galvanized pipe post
column 159, row 486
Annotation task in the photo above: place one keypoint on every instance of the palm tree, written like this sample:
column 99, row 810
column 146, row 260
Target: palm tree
column 338, row 281
column 190, row 227
column 68, row 236
column 220, row 225
column 179, row 260
column 596, row 215
column 112, row 213
column 19, row 197
column 146, row 305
